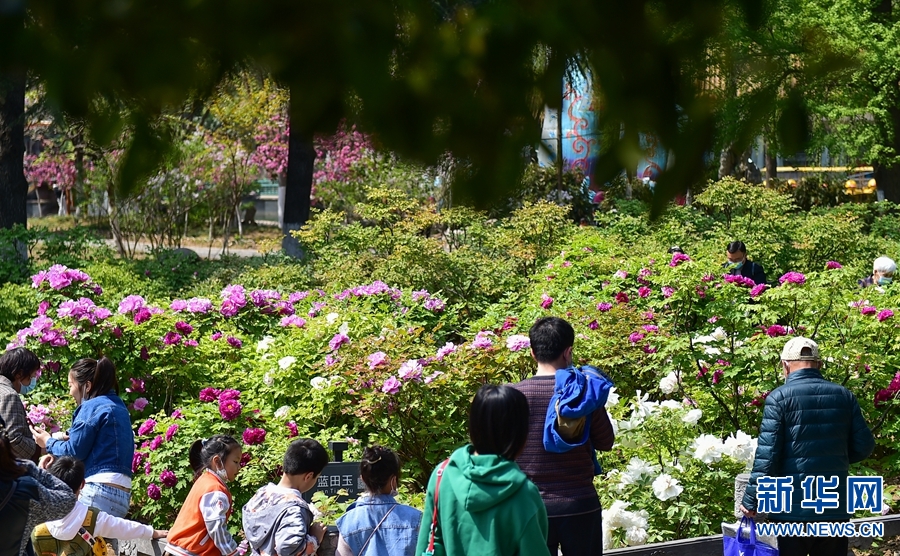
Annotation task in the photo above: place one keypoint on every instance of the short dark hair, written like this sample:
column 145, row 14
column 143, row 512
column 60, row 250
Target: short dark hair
column 377, row 466
column 101, row 374
column 68, row 470
column 550, row 336
column 736, row 246
column 498, row 421
column 18, row 363
column 305, row 455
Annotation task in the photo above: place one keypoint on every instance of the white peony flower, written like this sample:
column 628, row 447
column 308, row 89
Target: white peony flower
column 265, row 343
column 707, row 448
column 635, row 536
column 666, row 486
column 740, row 446
column 613, row 399
column 268, row 379
column 344, row 329
column 612, row 516
column 639, row 468
column 607, row 535
column 286, row 362
column 671, row 404
column 282, row 412
column 719, row 334
column 331, row 318
column 615, row 426
column 319, row 382
column 669, row 383
column 693, row 416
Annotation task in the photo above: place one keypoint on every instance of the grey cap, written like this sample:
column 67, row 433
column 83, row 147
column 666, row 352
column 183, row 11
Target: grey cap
column 794, row 348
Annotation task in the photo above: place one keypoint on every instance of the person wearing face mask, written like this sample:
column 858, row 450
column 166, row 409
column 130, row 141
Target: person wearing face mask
column 810, row 427
column 882, row 273
column 19, row 369
column 737, row 263
column 100, row 436
column 376, row 524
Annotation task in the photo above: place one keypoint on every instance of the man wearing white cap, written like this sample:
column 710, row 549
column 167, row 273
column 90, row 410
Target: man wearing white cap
column 883, row 270
column 811, row 427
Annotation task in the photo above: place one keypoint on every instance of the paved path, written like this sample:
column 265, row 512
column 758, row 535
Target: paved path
column 215, row 253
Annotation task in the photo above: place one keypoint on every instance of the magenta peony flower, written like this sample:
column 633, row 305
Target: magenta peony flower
column 622, row 298
column 190, row 342
column 376, row 359
column 593, row 325
column 168, row 478
column 299, row 322
column 245, row 459
column 140, row 404
column 230, row 409
column 758, row 289
column 136, row 460
column 131, row 304
column 292, row 429
column 172, row 338
column 234, row 342
column 884, row 315
column 717, row 376
column 391, row 385
column 254, row 436
column 338, row 340
column 183, row 327
column 833, row 265
column 604, row 307
column 230, row 394
column 170, row 432
column 546, row 301
column 775, row 331
column 644, row 291
column 448, row 348
column 792, row 278
column 434, row 304
column 410, row 370
column 142, row 315
column 209, row 394
column 145, row 353
column 868, row 310
column 668, row 291
column 153, row 491
column 146, row 427
column 650, row 328
column 177, row 414
column 678, row 258
column 156, row 442
column 635, row 337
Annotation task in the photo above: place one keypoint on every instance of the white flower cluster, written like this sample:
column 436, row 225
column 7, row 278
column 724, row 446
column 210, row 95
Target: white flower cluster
column 617, row 516
column 739, row 446
column 669, row 383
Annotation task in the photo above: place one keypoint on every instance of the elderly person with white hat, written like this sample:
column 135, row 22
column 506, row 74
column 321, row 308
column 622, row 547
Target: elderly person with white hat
column 811, row 427
column 883, row 270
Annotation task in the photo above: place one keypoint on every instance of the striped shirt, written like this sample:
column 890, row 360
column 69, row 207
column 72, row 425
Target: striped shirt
column 566, row 480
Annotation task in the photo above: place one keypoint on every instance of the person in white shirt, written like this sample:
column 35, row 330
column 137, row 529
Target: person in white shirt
column 67, row 535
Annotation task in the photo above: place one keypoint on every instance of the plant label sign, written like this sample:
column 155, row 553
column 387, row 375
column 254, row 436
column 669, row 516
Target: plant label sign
column 337, row 476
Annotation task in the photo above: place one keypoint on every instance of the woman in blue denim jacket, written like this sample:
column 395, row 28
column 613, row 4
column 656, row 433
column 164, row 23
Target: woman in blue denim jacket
column 376, row 524
column 100, row 436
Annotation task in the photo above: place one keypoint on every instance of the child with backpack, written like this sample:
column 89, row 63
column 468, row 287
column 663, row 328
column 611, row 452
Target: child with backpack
column 201, row 528
column 84, row 531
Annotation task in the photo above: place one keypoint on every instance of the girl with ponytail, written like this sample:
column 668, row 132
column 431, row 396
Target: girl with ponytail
column 204, row 516
column 100, row 436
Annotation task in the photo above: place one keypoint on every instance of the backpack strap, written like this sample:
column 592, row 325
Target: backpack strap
column 434, row 514
column 9, row 495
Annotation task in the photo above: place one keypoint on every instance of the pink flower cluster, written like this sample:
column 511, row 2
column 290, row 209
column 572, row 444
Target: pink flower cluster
column 168, row 478
column 146, row 427
column 41, row 327
column 376, row 359
column 546, row 301
column 59, row 277
column 793, row 278
column 337, row 341
column 254, row 436
column 233, row 300
column 757, row 290
column 518, row 342
column 739, row 280
column 293, row 320
column 776, row 330
column 833, row 265
column 482, row 340
column 678, row 258
column 891, row 392
column 195, row 305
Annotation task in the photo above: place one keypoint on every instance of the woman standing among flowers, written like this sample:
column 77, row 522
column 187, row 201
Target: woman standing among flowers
column 100, row 436
column 201, row 528
column 376, row 525
column 479, row 500
column 28, row 496
column 18, row 376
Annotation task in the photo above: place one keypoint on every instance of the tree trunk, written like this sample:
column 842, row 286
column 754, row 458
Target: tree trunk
column 13, row 187
column 298, row 184
column 771, row 165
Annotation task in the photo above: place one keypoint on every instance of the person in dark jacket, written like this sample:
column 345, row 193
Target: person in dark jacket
column 811, row 427
column 739, row 265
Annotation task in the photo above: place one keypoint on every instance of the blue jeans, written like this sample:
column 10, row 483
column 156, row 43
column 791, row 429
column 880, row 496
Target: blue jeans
column 111, row 500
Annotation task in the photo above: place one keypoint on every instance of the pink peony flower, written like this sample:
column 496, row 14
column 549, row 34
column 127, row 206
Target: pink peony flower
column 183, row 327
column 518, row 342
column 337, row 341
column 757, row 289
column 209, row 394
column 230, row 394
column 833, row 265
column 884, row 315
column 678, row 258
column 650, row 328
column 391, row 385
column 153, row 491
column 299, row 322
column 131, row 304
column 644, row 291
column 448, row 348
column 292, row 429
column 621, row 274
column 546, row 301
column 254, row 436
column 234, row 342
column 156, row 442
column 868, row 310
column 178, row 305
column 172, row 338
column 775, row 331
column 792, row 278
column 168, row 478
column 482, row 340
column 146, row 427
column 216, row 336
column 376, row 359
column 190, row 342
column 410, row 370
column 170, row 432
column 230, row 409
column 635, row 337
column 717, row 376
column 140, row 404
column 622, row 298
column 604, row 307
column 668, row 291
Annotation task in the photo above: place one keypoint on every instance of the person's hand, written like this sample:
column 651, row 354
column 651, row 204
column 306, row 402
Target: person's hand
column 160, row 533
column 41, row 436
column 748, row 513
column 318, row 531
column 45, row 462
column 60, row 435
